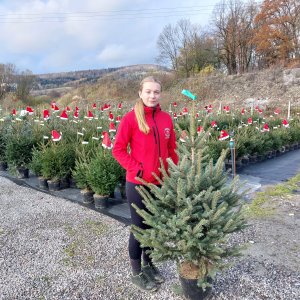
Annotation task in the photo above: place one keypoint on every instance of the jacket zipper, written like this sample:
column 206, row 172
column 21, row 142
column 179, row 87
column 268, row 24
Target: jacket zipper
column 155, row 130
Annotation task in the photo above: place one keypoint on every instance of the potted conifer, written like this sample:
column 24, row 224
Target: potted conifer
column 3, row 141
column 80, row 172
column 57, row 161
column 191, row 214
column 103, row 175
column 36, row 166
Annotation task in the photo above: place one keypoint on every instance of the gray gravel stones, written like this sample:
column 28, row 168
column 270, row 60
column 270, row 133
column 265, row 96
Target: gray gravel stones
column 51, row 248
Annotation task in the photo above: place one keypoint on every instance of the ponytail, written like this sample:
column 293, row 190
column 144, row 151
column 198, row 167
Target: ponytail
column 140, row 116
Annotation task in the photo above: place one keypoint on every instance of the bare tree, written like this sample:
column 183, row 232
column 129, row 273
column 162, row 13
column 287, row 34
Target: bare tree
column 175, row 46
column 186, row 33
column 233, row 22
column 24, row 81
column 7, row 77
column 168, row 46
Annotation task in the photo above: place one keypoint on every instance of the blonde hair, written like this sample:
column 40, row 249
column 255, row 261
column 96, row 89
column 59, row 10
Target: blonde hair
column 139, row 106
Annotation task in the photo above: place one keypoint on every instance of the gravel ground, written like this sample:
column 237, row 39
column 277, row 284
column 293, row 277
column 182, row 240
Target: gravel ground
column 51, row 248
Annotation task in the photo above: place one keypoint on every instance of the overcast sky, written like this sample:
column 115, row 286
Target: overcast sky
column 68, row 35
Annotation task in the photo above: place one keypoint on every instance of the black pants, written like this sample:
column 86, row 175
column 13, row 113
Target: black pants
column 134, row 247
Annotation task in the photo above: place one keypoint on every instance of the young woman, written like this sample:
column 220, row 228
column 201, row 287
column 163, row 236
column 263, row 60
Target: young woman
column 144, row 135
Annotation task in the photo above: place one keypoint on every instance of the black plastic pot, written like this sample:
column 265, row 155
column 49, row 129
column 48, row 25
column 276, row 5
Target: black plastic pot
column 53, row 185
column 100, row 201
column 3, row 166
column 23, row 172
column 192, row 291
column 42, row 181
column 252, row 159
column 87, row 196
column 64, row 183
column 72, row 182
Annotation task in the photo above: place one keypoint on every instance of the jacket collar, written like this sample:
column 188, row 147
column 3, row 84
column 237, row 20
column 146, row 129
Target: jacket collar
column 150, row 110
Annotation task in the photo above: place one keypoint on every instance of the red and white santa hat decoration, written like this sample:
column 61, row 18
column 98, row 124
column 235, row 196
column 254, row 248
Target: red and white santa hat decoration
column 46, row 114
column 64, row 115
column 29, row 110
column 56, row 136
column 111, row 116
column 213, row 124
column 200, row 129
column 76, row 114
column 90, row 115
column 277, row 111
column 112, row 127
column 266, row 128
column 106, row 142
column 226, row 108
column 223, row 136
column 285, row 123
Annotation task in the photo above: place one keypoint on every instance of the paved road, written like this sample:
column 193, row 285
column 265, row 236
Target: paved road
column 271, row 171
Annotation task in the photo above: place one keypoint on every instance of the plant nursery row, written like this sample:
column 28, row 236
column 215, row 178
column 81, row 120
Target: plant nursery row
column 74, row 143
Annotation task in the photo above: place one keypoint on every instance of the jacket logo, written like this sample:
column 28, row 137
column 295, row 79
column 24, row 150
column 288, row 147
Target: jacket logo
column 167, row 133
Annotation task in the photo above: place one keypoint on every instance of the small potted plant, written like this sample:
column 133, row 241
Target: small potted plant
column 80, row 172
column 19, row 153
column 103, row 175
column 36, row 166
column 3, row 141
column 57, row 162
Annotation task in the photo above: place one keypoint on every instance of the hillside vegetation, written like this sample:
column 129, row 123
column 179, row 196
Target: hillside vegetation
column 276, row 85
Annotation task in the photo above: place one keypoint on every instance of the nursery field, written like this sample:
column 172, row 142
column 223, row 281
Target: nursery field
column 72, row 143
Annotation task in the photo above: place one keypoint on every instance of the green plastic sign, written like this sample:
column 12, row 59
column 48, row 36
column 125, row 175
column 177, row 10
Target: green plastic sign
column 188, row 94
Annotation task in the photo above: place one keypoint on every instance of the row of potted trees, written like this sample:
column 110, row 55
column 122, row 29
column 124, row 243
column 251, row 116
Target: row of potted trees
column 60, row 164
column 18, row 139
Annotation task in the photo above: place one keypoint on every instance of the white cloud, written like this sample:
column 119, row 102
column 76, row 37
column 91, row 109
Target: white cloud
column 61, row 35
column 112, row 53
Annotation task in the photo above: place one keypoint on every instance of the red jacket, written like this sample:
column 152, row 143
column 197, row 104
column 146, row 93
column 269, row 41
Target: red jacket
column 145, row 149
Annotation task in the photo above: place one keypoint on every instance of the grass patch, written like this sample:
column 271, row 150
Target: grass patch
column 72, row 248
column 96, row 228
column 263, row 206
column 77, row 251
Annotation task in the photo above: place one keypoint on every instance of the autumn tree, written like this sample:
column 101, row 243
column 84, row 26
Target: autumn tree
column 277, row 31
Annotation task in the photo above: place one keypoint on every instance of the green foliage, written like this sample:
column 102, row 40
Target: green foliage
column 84, row 155
column 36, row 161
column 191, row 214
column 104, row 173
column 4, row 136
column 19, row 145
column 57, row 160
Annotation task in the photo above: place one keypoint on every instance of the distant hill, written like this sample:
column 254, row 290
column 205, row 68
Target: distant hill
column 78, row 78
